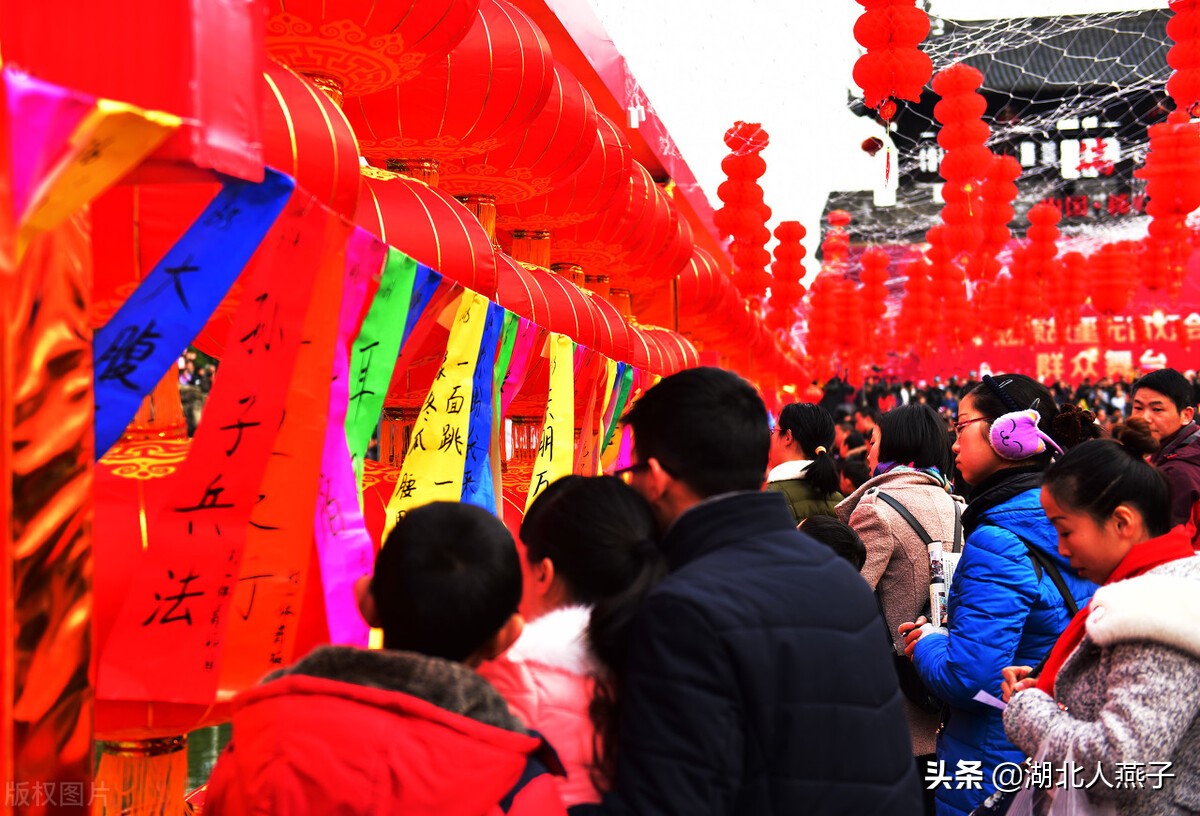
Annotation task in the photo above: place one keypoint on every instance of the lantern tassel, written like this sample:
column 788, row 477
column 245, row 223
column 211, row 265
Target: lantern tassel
column 141, row 778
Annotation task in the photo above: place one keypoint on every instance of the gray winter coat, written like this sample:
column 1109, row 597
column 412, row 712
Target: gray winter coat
column 1131, row 692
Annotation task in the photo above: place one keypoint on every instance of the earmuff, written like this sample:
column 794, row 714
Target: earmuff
column 1016, row 435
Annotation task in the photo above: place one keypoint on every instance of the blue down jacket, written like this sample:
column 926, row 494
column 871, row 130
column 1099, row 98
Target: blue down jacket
column 759, row 680
column 1000, row 614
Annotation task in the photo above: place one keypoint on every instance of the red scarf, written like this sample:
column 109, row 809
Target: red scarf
column 1141, row 559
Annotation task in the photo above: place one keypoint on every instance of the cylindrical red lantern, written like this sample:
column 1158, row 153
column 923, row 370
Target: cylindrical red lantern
column 967, row 160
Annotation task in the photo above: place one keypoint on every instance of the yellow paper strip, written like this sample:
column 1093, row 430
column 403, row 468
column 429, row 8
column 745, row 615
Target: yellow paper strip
column 433, row 467
column 108, row 143
column 557, row 447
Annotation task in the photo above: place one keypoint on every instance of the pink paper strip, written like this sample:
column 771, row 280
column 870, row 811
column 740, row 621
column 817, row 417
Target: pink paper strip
column 344, row 547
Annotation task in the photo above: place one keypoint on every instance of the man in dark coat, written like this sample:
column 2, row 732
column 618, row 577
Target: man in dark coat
column 760, row 680
column 1164, row 399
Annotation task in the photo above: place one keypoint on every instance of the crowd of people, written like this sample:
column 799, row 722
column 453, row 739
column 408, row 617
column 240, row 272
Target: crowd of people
column 922, row 596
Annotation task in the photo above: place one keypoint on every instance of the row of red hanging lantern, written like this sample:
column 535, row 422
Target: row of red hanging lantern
column 893, row 66
column 744, row 215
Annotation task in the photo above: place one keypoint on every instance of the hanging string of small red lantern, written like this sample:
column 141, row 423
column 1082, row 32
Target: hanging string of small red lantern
column 967, row 160
column 744, row 215
column 1043, row 269
column 787, row 271
column 1072, row 293
column 949, row 289
column 914, row 326
column 893, row 67
column 1112, row 284
column 1184, row 56
column 998, row 191
column 1172, row 174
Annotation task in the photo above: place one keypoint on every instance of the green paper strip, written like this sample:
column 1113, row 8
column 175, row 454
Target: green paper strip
column 508, row 340
column 374, row 353
column 622, row 398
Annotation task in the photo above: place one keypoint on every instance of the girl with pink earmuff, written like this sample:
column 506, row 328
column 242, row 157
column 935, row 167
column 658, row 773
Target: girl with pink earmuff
column 1012, row 594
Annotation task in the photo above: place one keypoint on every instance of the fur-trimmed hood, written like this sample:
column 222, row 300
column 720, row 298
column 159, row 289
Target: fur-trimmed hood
column 558, row 640
column 447, row 685
column 1161, row 606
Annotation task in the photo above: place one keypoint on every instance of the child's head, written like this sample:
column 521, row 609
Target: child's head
column 838, row 536
column 852, row 474
column 447, row 584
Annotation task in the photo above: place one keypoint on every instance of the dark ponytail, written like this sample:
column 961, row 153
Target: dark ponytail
column 812, row 428
column 1099, row 475
column 601, row 536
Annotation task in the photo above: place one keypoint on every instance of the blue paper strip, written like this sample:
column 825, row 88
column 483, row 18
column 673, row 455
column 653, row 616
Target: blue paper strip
column 144, row 338
column 478, row 488
column 424, row 286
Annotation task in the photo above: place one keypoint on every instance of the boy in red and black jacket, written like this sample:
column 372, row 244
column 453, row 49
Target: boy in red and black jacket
column 412, row 728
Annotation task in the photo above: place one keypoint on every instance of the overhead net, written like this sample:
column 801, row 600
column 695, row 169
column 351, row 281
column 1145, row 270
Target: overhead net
column 1070, row 97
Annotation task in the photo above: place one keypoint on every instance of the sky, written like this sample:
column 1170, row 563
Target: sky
column 786, row 64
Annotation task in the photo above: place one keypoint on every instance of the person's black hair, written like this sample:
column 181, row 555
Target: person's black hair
column 446, row 580
column 915, row 434
column 1170, row 383
column 838, row 536
column 600, row 535
column 854, row 440
column 855, row 470
column 707, row 427
column 812, row 428
column 874, row 414
column 1099, row 475
column 1068, row 425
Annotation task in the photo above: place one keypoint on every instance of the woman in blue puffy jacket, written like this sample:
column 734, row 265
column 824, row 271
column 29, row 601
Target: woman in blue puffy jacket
column 1005, row 607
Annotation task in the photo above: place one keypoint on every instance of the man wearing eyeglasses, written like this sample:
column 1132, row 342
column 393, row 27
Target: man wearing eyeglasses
column 759, row 679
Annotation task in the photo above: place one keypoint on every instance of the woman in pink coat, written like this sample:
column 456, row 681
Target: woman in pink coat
column 590, row 556
column 910, row 461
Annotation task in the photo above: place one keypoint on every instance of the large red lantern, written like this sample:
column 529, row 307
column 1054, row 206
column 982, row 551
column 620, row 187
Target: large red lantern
column 484, row 92
column 356, row 47
column 428, row 225
column 893, row 67
column 546, row 153
column 304, row 135
column 603, row 177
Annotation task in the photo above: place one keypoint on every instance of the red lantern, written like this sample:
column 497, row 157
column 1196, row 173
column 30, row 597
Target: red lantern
column 893, row 67
column 1040, row 253
column 484, row 92
column 429, row 225
column 594, row 187
column 357, row 47
column 1184, row 56
column 304, row 135
column 1072, row 293
column 874, row 277
column 544, row 155
column 967, row 160
column 786, row 273
column 999, row 191
column 746, row 137
column 1172, row 174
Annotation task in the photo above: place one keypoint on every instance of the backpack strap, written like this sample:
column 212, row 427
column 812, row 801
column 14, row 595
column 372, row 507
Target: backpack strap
column 907, row 516
column 916, row 525
column 1044, row 563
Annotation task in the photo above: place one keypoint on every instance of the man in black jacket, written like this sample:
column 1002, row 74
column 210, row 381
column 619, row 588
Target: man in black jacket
column 759, row 678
